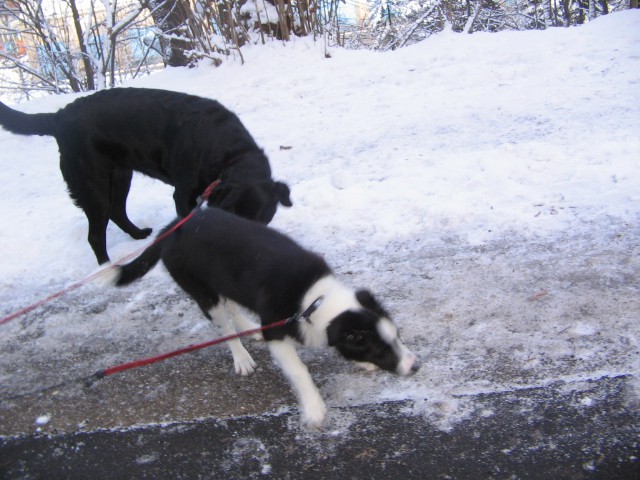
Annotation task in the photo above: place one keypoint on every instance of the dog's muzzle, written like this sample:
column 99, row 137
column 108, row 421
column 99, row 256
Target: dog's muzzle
column 408, row 364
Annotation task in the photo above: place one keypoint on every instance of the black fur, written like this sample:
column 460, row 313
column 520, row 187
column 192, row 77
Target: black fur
column 183, row 140
column 216, row 254
column 219, row 255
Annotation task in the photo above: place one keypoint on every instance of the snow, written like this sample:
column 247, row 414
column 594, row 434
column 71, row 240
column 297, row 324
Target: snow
column 43, row 420
column 485, row 187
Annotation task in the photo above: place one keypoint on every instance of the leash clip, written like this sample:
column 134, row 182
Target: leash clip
column 207, row 192
column 306, row 315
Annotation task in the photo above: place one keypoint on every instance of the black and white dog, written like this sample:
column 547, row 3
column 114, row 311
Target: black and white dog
column 221, row 259
column 183, row 140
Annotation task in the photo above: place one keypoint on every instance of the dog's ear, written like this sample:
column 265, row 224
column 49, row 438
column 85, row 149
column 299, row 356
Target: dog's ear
column 368, row 301
column 283, row 193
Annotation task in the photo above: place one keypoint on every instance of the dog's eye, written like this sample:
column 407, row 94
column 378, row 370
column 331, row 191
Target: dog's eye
column 356, row 337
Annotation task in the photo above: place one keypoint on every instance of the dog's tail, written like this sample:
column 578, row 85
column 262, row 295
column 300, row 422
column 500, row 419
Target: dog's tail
column 27, row 123
column 139, row 267
column 125, row 274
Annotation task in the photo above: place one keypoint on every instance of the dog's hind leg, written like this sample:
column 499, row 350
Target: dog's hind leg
column 213, row 308
column 95, row 206
column 242, row 360
column 91, row 196
column 120, row 184
column 98, row 234
column 241, row 321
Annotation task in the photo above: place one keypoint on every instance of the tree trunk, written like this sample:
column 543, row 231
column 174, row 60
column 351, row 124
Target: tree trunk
column 468, row 28
column 566, row 12
column 169, row 16
column 548, row 13
column 447, row 14
column 88, row 68
column 283, row 18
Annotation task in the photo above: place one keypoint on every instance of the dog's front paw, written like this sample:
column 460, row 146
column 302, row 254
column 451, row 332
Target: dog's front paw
column 244, row 364
column 313, row 415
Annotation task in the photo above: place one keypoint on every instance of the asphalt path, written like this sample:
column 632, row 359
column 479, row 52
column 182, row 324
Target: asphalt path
column 537, row 433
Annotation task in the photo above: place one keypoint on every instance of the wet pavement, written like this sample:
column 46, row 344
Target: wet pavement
column 539, row 433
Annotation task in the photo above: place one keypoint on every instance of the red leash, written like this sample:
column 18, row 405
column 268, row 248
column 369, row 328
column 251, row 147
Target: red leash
column 201, row 199
column 158, row 358
column 100, row 374
column 191, row 348
column 91, row 379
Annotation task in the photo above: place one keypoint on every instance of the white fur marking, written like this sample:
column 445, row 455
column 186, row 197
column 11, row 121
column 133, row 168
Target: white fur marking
column 311, row 403
column 389, row 333
column 337, row 298
column 106, row 275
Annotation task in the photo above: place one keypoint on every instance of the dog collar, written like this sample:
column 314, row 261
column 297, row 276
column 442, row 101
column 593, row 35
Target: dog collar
column 306, row 315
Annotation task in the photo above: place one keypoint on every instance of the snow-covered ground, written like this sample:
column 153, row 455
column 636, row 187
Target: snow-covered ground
column 485, row 186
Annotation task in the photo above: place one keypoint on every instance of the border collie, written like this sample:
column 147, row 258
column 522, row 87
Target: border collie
column 221, row 260
column 183, row 140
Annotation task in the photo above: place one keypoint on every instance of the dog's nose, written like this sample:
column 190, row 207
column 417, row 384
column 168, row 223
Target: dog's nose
column 416, row 366
column 410, row 364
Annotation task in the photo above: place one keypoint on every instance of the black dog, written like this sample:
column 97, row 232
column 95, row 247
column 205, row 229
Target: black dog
column 219, row 258
column 183, row 140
